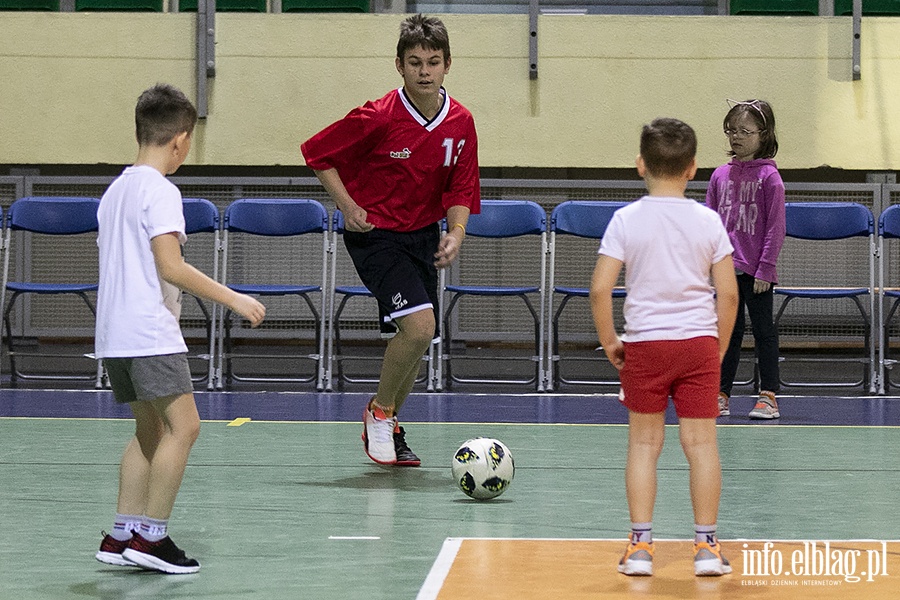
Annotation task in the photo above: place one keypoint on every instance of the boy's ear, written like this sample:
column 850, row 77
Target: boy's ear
column 692, row 169
column 641, row 167
column 180, row 140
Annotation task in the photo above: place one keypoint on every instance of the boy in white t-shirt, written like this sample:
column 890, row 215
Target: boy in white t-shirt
column 142, row 273
column 677, row 329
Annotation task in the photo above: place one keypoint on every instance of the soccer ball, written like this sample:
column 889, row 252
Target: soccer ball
column 483, row 468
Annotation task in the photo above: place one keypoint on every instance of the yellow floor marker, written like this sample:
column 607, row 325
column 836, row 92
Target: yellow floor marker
column 239, row 422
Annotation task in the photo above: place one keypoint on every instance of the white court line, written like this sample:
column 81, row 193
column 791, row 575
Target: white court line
column 354, row 537
column 440, row 569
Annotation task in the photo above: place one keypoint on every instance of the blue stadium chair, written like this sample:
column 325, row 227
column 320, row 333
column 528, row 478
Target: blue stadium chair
column 260, row 223
column 774, row 7
column 888, row 229
column 570, row 221
column 334, row 353
column 514, row 226
column 823, row 222
column 33, row 5
column 202, row 217
column 39, row 217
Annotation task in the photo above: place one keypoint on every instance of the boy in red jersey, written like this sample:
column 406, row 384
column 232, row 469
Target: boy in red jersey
column 395, row 167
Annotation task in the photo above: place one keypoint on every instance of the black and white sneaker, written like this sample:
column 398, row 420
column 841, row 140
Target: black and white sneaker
column 163, row 556
column 405, row 456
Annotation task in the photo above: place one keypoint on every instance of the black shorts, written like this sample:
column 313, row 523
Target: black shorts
column 398, row 268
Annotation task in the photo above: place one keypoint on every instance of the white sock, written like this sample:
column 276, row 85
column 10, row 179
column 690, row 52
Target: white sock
column 705, row 533
column 124, row 525
column 642, row 532
column 154, row 530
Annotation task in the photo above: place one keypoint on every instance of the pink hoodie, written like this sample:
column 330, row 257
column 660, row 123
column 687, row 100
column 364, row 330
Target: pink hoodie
column 749, row 197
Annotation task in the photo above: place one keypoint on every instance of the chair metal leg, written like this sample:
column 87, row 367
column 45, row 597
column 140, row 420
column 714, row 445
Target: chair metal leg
column 15, row 374
column 228, row 355
column 447, row 344
column 555, row 356
column 888, row 363
column 9, row 343
column 862, row 382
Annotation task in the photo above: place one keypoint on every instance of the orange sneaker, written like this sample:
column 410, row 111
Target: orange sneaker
column 708, row 560
column 638, row 559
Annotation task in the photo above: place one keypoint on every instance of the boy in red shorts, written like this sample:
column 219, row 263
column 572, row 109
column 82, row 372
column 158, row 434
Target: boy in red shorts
column 677, row 328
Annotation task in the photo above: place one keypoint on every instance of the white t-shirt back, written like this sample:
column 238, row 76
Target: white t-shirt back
column 137, row 312
column 668, row 246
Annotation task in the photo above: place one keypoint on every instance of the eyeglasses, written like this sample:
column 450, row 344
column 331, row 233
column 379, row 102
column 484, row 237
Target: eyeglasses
column 742, row 132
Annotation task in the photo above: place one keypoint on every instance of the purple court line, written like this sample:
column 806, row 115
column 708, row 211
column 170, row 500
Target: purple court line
column 454, row 407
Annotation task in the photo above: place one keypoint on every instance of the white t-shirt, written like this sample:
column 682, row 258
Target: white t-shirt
column 137, row 312
column 668, row 246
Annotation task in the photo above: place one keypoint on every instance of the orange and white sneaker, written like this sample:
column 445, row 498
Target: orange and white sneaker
column 766, row 407
column 708, row 560
column 638, row 559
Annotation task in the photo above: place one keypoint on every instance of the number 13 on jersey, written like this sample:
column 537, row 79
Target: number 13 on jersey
column 449, row 157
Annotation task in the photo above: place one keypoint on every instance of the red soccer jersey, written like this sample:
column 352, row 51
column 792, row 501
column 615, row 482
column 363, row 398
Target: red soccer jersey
column 403, row 169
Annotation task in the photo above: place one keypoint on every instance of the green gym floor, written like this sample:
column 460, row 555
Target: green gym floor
column 283, row 504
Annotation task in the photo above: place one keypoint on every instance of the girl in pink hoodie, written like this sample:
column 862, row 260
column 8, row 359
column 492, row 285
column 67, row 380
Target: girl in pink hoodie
column 748, row 194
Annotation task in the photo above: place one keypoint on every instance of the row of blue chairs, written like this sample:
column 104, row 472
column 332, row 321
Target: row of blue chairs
column 545, row 290
column 817, row 222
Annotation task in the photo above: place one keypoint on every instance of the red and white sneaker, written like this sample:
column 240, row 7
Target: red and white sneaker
column 378, row 435
column 111, row 551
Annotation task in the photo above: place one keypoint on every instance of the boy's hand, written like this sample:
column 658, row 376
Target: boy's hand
column 355, row 220
column 250, row 308
column 615, row 352
column 448, row 250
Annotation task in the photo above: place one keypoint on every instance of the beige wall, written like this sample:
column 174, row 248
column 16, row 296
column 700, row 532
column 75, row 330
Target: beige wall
column 68, row 83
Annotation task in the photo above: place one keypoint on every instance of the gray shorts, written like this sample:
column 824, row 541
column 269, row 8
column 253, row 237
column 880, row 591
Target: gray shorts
column 149, row 377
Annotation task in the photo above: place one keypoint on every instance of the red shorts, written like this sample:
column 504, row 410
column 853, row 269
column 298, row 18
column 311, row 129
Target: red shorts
column 686, row 370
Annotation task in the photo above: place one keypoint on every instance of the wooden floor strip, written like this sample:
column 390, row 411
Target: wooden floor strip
column 526, row 569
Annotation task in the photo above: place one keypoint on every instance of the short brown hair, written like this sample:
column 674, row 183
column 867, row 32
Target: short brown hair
column 163, row 112
column 427, row 32
column 668, row 146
